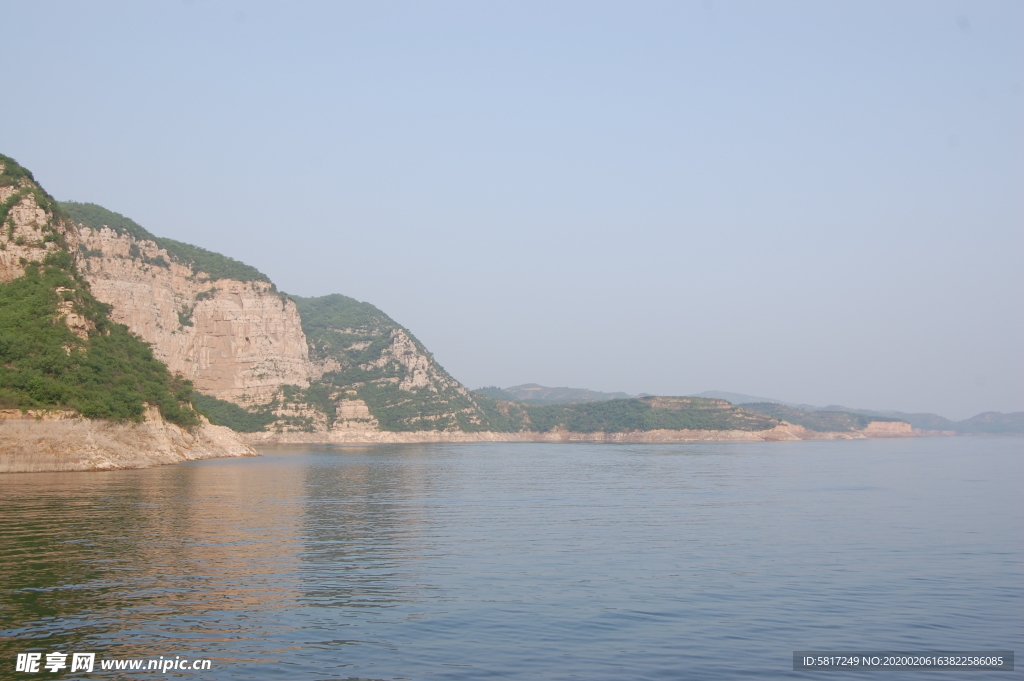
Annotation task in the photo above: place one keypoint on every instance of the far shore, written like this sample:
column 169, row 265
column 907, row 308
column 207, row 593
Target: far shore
column 62, row 442
column 784, row 432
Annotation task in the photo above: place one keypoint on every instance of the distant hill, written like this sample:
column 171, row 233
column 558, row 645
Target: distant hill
column 994, row 422
column 496, row 393
column 921, row 421
column 538, row 408
column 820, row 421
column 645, row 413
column 990, row 423
column 149, row 320
column 832, row 418
column 805, row 414
column 532, row 393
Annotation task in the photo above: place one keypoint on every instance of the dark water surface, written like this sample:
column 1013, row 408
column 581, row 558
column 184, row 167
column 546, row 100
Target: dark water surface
column 522, row 561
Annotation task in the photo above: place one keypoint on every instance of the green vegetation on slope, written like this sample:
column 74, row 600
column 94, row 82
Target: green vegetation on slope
column 94, row 216
column 215, row 265
column 361, row 339
column 337, row 313
column 496, row 393
column 14, row 175
column 820, row 421
column 224, row 413
column 108, row 374
column 988, row 423
column 645, row 413
column 111, row 375
column 258, row 418
column 993, row 423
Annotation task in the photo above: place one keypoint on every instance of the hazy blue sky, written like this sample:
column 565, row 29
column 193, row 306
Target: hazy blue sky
column 820, row 202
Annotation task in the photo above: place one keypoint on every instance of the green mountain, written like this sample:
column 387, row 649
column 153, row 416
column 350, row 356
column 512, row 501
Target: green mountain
column 496, row 393
column 645, row 413
column 373, row 358
column 838, row 418
column 357, row 370
column 367, row 361
column 821, row 421
column 539, row 408
column 58, row 347
column 993, row 423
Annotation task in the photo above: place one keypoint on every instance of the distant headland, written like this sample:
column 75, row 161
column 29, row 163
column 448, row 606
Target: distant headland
column 116, row 341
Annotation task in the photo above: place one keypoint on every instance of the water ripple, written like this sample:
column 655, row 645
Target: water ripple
column 521, row 561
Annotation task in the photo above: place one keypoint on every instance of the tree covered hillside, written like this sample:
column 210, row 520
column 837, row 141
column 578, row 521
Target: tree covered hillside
column 821, row 421
column 58, row 348
column 371, row 357
column 625, row 415
column 645, row 413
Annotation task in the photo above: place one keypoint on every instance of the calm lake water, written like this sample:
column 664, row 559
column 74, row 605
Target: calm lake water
column 522, row 561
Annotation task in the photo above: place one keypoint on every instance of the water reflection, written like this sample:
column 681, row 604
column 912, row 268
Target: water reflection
column 519, row 561
column 96, row 559
column 361, row 523
column 178, row 560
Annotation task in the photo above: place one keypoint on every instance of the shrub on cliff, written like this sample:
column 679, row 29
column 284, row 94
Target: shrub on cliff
column 223, row 413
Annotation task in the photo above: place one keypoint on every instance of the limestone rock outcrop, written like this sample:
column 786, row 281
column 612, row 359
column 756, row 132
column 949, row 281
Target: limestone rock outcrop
column 63, row 441
column 237, row 341
column 29, row 232
column 888, row 429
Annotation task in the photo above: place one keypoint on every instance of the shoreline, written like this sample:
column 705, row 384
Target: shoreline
column 34, row 442
column 785, row 432
column 58, row 441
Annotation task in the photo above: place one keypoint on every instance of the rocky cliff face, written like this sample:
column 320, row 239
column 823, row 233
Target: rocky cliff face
column 237, row 341
column 888, row 429
column 329, row 369
column 29, row 230
column 320, row 365
column 78, row 391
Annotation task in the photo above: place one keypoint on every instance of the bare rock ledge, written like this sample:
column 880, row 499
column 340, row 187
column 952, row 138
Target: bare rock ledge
column 784, row 432
column 63, row 441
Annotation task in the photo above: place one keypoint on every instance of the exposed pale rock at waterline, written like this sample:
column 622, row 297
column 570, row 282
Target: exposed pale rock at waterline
column 63, row 441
